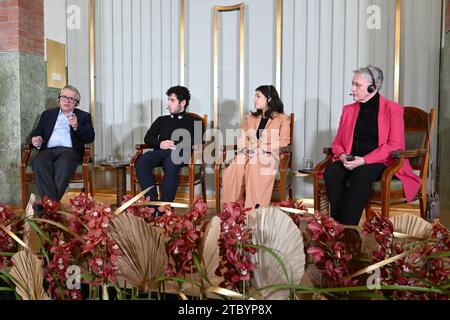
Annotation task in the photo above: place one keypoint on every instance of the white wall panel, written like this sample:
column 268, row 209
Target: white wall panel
column 420, row 59
column 78, row 53
column 137, row 59
column 330, row 40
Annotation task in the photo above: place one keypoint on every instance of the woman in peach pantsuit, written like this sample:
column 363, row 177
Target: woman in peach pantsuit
column 253, row 169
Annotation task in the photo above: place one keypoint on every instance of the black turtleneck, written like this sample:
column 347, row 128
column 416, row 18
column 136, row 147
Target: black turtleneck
column 164, row 126
column 365, row 136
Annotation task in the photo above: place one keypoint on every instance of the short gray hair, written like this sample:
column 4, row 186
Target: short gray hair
column 71, row 88
column 377, row 74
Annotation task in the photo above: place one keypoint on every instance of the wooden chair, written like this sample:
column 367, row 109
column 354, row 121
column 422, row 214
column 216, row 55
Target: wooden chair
column 191, row 175
column 83, row 174
column 389, row 191
column 282, row 177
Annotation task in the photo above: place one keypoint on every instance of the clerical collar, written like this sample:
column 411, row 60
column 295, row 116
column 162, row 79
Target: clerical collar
column 179, row 115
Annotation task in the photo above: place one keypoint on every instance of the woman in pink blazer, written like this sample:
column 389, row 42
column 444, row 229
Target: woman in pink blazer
column 369, row 130
column 255, row 165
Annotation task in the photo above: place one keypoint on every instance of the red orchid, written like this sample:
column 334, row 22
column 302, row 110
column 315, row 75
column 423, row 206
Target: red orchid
column 236, row 257
column 416, row 269
column 7, row 244
column 316, row 229
column 328, row 252
column 316, row 253
column 184, row 237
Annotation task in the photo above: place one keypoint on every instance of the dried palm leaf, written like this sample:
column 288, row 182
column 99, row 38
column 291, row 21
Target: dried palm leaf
column 29, row 213
column 209, row 250
column 28, row 274
column 412, row 225
column 271, row 228
column 144, row 257
column 312, row 276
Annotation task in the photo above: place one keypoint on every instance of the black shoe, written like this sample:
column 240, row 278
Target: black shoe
column 38, row 209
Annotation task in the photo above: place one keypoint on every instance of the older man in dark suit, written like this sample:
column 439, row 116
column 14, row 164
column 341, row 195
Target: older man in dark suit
column 60, row 137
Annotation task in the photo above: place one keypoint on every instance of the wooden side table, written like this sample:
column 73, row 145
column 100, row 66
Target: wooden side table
column 120, row 169
column 303, row 173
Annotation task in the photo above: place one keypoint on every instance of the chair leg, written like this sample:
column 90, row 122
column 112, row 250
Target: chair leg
column 204, row 191
column 423, row 206
column 217, row 189
column 191, row 193
column 91, row 187
column 24, row 195
column 385, row 205
column 316, row 200
column 367, row 209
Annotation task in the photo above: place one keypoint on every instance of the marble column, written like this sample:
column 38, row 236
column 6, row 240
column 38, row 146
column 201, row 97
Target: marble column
column 22, row 87
column 443, row 182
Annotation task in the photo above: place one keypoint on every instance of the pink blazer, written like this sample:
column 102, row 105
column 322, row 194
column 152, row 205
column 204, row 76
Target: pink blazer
column 391, row 137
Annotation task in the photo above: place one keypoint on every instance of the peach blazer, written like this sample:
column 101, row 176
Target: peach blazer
column 256, row 175
column 277, row 133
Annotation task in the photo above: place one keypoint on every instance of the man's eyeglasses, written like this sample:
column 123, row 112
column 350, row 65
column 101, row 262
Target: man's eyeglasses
column 70, row 99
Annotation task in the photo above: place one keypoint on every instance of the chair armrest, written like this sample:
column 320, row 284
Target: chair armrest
column 409, row 153
column 320, row 167
column 142, row 146
column 27, row 149
column 87, row 154
column 288, row 149
column 196, row 154
column 139, row 150
column 229, row 147
column 328, row 151
column 223, row 153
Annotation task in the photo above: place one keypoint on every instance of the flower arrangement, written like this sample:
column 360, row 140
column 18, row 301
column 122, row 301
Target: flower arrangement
column 424, row 266
column 298, row 205
column 140, row 209
column 79, row 236
column 85, row 244
column 236, row 263
column 7, row 244
column 183, row 233
column 328, row 251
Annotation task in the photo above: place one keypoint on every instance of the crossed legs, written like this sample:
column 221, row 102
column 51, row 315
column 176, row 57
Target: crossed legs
column 53, row 169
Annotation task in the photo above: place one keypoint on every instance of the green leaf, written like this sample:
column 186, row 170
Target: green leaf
column 177, row 279
column 370, row 295
column 7, row 278
column 438, row 255
column 200, row 270
column 40, row 232
column 271, row 252
column 7, row 254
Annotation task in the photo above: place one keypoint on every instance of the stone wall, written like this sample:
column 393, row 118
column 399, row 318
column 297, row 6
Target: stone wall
column 22, row 86
column 22, row 26
column 443, row 182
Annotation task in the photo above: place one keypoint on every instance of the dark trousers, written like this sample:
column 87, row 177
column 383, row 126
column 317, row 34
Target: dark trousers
column 144, row 171
column 348, row 191
column 53, row 169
